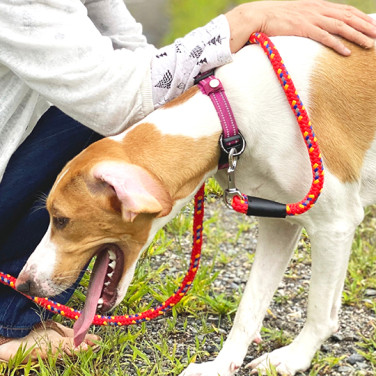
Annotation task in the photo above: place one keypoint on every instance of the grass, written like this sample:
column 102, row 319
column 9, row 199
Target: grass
column 361, row 271
column 207, row 311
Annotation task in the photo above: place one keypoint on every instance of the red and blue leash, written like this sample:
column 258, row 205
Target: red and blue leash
column 255, row 206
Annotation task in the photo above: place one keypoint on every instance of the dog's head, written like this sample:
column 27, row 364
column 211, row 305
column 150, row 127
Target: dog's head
column 97, row 208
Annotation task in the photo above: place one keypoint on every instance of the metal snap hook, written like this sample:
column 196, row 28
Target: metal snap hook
column 231, row 191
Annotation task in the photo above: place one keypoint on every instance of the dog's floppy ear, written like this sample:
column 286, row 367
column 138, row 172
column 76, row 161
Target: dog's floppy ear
column 137, row 190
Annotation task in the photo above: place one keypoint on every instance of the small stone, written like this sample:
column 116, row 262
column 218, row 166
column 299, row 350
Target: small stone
column 362, row 365
column 345, row 369
column 325, row 348
column 193, row 330
column 336, row 337
column 211, row 349
column 294, row 315
column 370, row 292
column 351, row 337
column 222, row 331
column 354, row 358
column 279, row 323
column 211, row 318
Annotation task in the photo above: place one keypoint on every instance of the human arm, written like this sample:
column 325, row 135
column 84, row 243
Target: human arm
column 98, row 70
column 173, row 67
column 55, row 49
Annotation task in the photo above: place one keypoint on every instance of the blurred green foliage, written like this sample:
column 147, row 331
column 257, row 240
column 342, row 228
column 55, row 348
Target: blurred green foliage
column 368, row 6
column 189, row 14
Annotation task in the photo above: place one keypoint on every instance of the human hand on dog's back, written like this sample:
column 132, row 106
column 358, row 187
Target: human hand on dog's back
column 315, row 19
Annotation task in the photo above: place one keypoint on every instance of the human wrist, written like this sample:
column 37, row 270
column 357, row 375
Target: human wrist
column 243, row 21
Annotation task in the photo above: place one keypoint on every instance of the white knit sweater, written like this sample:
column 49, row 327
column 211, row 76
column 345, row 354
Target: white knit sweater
column 90, row 59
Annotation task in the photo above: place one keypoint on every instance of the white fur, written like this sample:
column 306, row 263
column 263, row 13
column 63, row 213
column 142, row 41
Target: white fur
column 41, row 264
column 368, row 185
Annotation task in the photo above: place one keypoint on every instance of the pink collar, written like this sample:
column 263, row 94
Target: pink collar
column 231, row 137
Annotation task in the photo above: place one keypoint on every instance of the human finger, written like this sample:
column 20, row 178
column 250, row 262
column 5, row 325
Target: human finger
column 355, row 21
column 338, row 27
column 349, row 12
column 327, row 39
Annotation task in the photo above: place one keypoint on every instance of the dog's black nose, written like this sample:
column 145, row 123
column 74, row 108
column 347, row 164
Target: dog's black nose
column 24, row 287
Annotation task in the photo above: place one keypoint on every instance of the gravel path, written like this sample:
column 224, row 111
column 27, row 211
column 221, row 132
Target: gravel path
column 287, row 312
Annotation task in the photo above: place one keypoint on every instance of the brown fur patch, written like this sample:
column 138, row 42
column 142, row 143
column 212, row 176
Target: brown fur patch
column 182, row 161
column 343, row 109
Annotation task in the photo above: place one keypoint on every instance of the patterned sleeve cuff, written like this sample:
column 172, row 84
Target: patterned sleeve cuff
column 174, row 67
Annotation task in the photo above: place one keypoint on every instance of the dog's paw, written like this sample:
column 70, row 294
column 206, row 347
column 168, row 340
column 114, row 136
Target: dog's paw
column 285, row 361
column 209, row 369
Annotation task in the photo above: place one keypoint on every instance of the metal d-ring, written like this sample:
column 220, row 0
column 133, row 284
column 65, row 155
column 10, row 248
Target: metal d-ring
column 239, row 146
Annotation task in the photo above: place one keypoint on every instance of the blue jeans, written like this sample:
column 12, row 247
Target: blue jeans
column 23, row 218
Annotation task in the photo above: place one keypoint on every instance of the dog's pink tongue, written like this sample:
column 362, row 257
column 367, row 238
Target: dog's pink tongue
column 83, row 323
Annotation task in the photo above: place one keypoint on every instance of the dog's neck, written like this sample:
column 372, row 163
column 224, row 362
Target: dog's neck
column 177, row 143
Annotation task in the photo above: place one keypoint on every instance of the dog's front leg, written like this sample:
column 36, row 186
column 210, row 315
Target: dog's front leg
column 277, row 240
column 331, row 247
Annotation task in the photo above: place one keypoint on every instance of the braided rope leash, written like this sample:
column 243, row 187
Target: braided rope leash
column 125, row 320
column 243, row 204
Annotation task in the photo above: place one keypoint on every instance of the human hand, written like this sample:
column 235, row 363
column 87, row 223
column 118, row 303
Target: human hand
column 316, row 19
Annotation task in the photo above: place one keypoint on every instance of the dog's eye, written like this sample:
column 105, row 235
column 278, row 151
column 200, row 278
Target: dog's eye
column 60, row 222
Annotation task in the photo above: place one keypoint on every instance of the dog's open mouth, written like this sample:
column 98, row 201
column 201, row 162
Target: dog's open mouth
column 112, row 277
column 102, row 291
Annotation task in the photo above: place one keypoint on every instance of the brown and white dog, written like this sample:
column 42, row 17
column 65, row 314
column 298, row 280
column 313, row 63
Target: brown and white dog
column 113, row 197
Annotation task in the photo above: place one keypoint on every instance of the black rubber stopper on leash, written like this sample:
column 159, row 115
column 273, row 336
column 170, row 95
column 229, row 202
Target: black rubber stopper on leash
column 260, row 207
